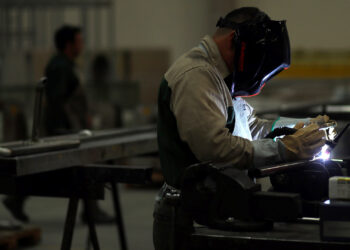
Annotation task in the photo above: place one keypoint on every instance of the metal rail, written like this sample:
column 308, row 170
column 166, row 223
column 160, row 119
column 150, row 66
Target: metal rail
column 270, row 170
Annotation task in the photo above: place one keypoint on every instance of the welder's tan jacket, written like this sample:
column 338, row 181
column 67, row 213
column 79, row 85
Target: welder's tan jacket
column 198, row 121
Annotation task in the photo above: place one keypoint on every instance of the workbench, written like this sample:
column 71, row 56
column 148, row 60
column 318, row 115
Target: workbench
column 100, row 146
column 73, row 173
column 284, row 236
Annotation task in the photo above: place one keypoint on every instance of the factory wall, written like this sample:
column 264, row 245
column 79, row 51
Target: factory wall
column 178, row 25
column 147, row 36
column 175, row 25
column 312, row 24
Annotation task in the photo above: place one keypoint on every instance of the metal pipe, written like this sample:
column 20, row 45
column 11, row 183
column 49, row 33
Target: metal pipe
column 267, row 171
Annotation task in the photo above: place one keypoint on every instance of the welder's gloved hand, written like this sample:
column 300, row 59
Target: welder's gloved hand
column 304, row 143
column 320, row 120
column 299, row 125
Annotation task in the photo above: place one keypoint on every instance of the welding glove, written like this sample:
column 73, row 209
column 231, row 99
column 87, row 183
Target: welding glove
column 304, row 143
column 320, row 120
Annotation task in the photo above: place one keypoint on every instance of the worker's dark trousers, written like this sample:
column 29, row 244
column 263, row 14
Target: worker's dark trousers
column 171, row 227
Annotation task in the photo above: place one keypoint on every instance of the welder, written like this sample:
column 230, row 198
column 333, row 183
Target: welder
column 202, row 116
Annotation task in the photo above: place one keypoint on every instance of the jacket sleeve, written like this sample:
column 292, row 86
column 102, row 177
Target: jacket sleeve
column 199, row 107
column 289, row 122
column 259, row 128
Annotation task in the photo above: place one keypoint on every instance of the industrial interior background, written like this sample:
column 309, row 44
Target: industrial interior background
column 133, row 42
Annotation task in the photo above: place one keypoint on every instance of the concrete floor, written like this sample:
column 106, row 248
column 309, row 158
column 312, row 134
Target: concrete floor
column 137, row 208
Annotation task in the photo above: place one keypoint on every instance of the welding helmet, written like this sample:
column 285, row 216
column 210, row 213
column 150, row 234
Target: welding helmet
column 262, row 51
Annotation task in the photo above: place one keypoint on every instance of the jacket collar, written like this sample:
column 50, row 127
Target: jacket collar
column 214, row 55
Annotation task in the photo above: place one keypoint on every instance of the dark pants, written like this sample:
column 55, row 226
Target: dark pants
column 171, row 226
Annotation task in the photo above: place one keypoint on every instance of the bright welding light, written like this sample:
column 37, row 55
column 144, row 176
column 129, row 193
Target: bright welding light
column 324, row 154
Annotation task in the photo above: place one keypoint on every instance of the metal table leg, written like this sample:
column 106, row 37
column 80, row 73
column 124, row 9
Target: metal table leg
column 69, row 223
column 91, row 224
column 118, row 216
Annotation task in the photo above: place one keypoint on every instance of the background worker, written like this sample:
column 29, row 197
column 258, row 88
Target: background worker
column 66, row 109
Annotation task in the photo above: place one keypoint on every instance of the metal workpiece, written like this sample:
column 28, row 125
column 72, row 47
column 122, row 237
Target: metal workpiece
column 275, row 169
column 100, row 146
